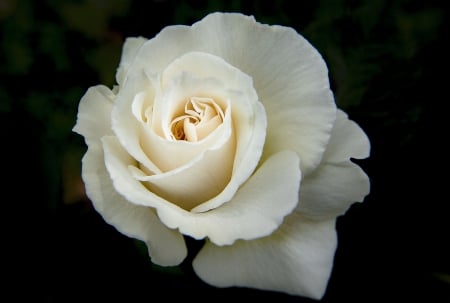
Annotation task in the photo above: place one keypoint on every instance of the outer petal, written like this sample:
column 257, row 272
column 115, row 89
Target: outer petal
column 166, row 246
column 347, row 141
column 297, row 259
column 129, row 51
column 251, row 213
column 337, row 182
column 290, row 77
column 94, row 113
column 288, row 74
column 331, row 189
column 304, row 128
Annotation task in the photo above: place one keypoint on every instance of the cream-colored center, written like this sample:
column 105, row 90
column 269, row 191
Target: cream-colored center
column 201, row 117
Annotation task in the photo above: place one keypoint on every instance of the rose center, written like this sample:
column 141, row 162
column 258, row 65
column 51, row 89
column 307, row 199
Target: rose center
column 200, row 118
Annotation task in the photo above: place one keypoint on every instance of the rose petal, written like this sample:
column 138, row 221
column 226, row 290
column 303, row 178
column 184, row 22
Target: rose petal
column 302, row 128
column 249, row 117
column 331, row 189
column 118, row 163
column 94, row 113
column 166, row 246
column 347, row 141
column 337, row 183
column 125, row 125
column 249, row 122
column 199, row 180
column 129, row 50
column 204, row 65
column 250, row 128
column 297, row 259
column 194, row 182
column 288, row 74
column 165, row 152
column 252, row 212
column 290, row 77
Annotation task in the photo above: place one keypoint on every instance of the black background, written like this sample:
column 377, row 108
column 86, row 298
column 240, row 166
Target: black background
column 388, row 63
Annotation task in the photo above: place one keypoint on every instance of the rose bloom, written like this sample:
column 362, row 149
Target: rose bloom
column 226, row 131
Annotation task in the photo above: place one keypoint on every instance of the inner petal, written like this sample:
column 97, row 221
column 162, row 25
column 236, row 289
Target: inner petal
column 204, row 128
column 184, row 120
column 200, row 179
column 201, row 117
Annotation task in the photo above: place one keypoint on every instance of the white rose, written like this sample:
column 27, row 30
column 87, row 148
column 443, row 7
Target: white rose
column 225, row 130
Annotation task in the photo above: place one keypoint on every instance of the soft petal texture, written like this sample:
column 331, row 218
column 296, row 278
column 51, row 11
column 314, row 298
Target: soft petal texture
column 331, row 189
column 248, row 114
column 347, row 141
column 250, row 127
column 252, row 213
column 94, row 113
column 166, row 247
column 196, row 182
column 338, row 182
column 249, row 123
column 129, row 50
column 162, row 149
column 204, row 65
column 297, row 259
column 167, row 154
column 305, row 128
column 287, row 72
column 123, row 121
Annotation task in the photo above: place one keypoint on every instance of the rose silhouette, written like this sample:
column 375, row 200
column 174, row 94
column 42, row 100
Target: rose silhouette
column 227, row 131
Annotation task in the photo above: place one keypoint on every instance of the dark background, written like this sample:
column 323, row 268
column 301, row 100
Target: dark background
column 388, row 63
